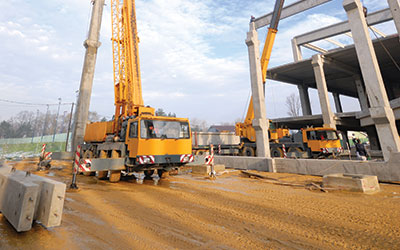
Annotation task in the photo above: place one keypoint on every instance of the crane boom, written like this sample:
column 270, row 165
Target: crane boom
column 125, row 46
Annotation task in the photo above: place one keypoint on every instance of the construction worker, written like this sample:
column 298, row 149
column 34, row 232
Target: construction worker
column 361, row 152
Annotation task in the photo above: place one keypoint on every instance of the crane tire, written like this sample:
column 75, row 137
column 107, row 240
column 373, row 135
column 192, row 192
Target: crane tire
column 101, row 175
column 115, row 176
column 276, row 152
column 248, row 151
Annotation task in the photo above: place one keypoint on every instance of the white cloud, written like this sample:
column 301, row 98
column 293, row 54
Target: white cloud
column 193, row 57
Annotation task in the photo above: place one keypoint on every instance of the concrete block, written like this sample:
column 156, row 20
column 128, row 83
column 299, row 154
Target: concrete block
column 352, row 182
column 50, row 196
column 18, row 202
column 197, row 160
column 62, row 156
column 241, row 162
column 50, row 209
column 206, row 169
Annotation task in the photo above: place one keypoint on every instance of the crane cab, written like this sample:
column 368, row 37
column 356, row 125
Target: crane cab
column 156, row 140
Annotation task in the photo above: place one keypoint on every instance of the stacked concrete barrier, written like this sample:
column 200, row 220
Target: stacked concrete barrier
column 25, row 198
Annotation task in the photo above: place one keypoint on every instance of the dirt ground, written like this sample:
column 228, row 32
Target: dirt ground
column 231, row 212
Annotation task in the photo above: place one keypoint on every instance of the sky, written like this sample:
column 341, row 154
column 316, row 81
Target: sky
column 193, row 56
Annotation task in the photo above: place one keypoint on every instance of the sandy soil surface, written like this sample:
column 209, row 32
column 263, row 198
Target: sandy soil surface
column 231, row 212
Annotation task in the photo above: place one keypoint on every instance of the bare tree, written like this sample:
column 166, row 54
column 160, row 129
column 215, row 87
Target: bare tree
column 293, row 105
column 198, row 125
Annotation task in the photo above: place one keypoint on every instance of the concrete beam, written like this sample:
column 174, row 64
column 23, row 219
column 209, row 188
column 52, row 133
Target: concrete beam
column 395, row 10
column 339, row 44
column 260, row 123
column 289, row 10
column 85, row 90
column 327, row 114
column 342, row 27
column 304, row 100
column 380, row 109
column 338, row 103
column 315, row 48
column 377, row 31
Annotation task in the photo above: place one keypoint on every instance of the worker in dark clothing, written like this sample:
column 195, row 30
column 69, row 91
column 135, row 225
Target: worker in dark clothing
column 361, row 151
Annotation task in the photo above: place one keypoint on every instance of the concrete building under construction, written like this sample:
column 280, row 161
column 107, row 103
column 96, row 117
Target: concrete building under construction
column 366, row 70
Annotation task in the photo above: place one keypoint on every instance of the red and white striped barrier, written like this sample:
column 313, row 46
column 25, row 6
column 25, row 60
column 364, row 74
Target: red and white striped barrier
column 47, row 156
column 85, row 166
column 186, row 158
column 209, row 159
column 78, row 166
column 146, row 159
column 42, row 152
column 284, row 151
column 77, row 158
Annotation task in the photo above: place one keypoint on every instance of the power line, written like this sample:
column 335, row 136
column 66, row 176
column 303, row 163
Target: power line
column 34, row 104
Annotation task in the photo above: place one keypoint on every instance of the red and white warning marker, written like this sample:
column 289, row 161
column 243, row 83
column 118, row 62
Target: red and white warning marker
column 44, row 158
column 78, row 166
column 209, row 160
column 284, row 151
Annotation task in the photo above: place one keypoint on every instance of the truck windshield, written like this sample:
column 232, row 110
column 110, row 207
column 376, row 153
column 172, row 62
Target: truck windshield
column 326, row 135
column 164, row 129
column 322, row 135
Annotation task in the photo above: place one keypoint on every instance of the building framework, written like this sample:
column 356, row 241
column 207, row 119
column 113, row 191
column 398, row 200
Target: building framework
column 364, row 70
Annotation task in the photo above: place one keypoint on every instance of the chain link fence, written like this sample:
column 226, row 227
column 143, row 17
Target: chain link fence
column 13, row 148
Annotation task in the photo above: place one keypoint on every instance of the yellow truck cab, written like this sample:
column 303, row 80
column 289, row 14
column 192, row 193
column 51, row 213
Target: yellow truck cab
column 158, row 140
column 322, row 141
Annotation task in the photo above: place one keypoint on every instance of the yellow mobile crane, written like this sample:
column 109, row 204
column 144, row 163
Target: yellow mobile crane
column 136, row 139
column 307, row 140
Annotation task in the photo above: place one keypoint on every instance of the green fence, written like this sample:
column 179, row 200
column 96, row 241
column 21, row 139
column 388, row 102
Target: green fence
column 31, row 146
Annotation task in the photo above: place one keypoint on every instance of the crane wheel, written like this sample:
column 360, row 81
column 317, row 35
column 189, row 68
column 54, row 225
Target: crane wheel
column 248, row 151
column 101, row 175
column 298, row 152
column 276, row 152
column 148, row 174
column 115, row 176
column 162, row 173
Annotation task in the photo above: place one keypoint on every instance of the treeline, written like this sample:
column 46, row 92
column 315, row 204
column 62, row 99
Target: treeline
column 29, row 124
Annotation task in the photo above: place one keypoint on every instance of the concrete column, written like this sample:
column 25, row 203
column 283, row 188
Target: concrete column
column 395, row 9
column 297, row 56
column 380, row 110
column 304, row 99
column 362, row 96
column 338, row 104
column 260, row 122
column 85, row 90
column 327, row 114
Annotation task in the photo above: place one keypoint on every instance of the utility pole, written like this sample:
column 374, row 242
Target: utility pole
column 69, row 127
column 85, row 90
column 58, row 112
